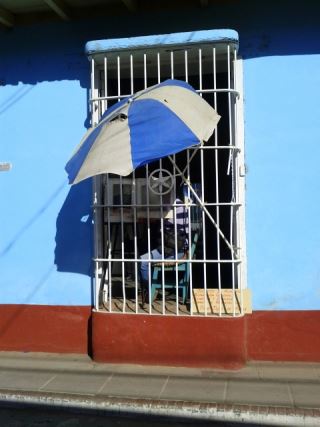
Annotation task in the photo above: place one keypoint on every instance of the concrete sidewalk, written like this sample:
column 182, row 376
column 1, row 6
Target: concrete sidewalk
column 261, row 393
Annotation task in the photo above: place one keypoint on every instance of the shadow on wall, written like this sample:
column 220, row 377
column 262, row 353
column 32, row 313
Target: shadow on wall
column 74, row 237
column 55, row 51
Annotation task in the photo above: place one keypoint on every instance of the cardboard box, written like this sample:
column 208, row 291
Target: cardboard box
column 228, row 302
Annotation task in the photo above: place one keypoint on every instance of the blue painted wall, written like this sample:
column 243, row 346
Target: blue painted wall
column 282, row 146
column 45, row 230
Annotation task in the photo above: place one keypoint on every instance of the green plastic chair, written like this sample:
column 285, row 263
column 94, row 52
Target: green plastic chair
column 169, row 266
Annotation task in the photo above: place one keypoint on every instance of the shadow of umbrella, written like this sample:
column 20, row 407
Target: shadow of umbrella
column 74, row 235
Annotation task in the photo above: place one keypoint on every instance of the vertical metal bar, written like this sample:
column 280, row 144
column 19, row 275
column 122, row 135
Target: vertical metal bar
column 231, row 167
column 149, row 239
column 176, row 242
column 162, row 227
column 135, row 238
column 233, row 177
column 186, row 65
column 95, row 201
column 145, row 70
column 232, row 257
column 94, row 121
column 118, row 77
column 158, row 67
column 122, row 247
column 229, row 110
column 97, row 269
column 190, row 234
column 107, row 183
column 109, row 245
column 131, row 76
column 134, row 200
column 92, row 89
column 121, row 203
column 237, row 197
column 200, row 71
column 241, row 238
column 105, row 73
column 189, row 199
column 175, row 210
column 216, row 160
column 172, row 64
column 162, row 250
column 203, row 202
column 148, row 201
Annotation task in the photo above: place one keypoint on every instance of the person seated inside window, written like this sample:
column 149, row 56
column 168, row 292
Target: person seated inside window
column 180, row 218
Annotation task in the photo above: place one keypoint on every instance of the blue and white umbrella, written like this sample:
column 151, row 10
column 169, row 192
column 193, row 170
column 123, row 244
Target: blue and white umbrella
column 154, row 123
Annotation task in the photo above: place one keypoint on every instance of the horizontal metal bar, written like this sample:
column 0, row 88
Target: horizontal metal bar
column 154, row 313
column 110, row 97
column 170, row 261
column 217, row 147
column 159, row 206
column 231, row 91
column 199, row 147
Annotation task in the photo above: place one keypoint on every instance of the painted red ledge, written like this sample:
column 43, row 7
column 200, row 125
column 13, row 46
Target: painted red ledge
column 52, row 329
column 168, row 340
column 284, row 336
column 162, row 340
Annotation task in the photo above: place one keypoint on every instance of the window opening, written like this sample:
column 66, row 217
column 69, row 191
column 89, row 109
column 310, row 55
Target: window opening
column 170, row 236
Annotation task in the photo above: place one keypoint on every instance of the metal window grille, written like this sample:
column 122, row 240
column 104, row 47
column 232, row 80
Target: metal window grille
column 208, row 184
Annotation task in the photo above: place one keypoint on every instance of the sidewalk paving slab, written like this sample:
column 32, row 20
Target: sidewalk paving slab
column 286, row 393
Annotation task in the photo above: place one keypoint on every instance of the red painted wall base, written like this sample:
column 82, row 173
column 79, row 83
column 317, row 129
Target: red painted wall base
column 162, row 340
column 207, row 342
column 52, row 329
column 283, row 336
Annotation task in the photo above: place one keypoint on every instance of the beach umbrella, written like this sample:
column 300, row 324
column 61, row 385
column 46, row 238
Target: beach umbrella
column 154, row 123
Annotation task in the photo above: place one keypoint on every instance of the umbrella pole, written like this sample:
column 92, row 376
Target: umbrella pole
column 190, row 160
column 203, row 207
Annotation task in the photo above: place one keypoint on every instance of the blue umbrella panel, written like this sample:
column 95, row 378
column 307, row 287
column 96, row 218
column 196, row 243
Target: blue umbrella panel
column 154, row 123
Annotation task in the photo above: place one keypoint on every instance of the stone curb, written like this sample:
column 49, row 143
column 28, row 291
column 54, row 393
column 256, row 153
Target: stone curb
column 265, row 415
